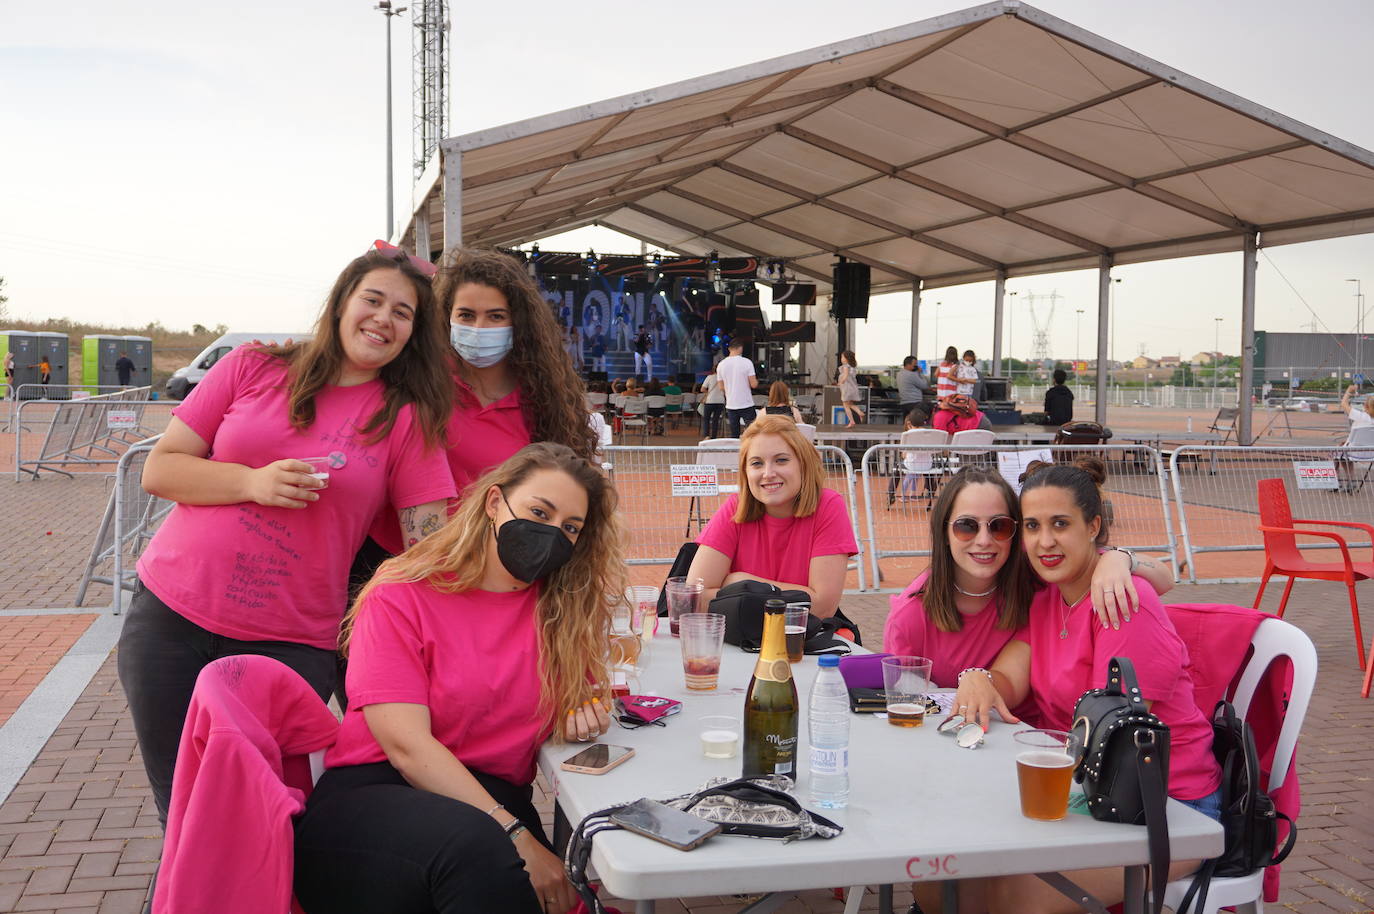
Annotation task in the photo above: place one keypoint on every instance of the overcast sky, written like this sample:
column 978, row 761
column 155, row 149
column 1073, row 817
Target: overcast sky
column 212, row 162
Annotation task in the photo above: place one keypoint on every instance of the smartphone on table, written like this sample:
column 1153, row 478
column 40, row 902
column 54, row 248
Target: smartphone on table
column 597, row 759
column 665, row 824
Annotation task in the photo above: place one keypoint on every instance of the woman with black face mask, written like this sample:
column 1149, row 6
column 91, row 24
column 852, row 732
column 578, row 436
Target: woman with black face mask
column 465, row 654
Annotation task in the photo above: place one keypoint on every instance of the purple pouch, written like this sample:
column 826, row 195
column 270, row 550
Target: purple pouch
column 863, row 671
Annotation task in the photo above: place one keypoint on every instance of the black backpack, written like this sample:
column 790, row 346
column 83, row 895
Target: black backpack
column 1248, row 815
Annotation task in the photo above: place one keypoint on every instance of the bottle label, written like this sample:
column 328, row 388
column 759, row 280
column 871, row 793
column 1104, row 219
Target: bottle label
column 783, row 767
column 773, row 670
column 829, row 761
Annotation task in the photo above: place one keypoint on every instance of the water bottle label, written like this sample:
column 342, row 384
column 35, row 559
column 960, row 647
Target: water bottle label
column 829, row 761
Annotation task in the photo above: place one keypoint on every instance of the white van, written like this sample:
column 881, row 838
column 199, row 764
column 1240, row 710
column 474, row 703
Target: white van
column 184, row 380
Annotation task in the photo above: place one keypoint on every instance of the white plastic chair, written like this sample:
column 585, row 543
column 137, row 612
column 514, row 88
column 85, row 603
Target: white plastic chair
column 659, row 403
column 597, row 400
column 1359, row 437
column 973, row 443
column 1272, row 639
column 633, row 414
column 918, row 465
column 808, row 431
column 675, row 403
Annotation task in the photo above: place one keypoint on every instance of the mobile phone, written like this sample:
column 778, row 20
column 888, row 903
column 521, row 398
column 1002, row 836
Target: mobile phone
column 597, row 759
column 665, row 824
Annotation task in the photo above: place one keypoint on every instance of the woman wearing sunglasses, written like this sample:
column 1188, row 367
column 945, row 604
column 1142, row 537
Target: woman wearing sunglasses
column 1064, row 651
column 964, row 609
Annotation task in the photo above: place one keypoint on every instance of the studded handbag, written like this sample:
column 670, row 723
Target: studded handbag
column 1125, row 763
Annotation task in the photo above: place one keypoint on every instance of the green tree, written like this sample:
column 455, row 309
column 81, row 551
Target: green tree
column 1183, row 376
column 4, row 301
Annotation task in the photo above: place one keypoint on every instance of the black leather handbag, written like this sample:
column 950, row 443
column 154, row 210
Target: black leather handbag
column 1125, row 763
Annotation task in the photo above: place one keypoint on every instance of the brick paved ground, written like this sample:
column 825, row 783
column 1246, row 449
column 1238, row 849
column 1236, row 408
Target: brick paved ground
column 29, row 647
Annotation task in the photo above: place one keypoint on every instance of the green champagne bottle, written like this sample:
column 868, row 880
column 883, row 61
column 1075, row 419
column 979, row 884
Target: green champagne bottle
column 770, row 706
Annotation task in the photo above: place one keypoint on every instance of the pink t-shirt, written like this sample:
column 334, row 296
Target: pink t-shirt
column 1063, row 669
column 281, row 574
column 910, row 631
column 947, row 420
column 472, row 658
column 781, row 548
column 479, row 438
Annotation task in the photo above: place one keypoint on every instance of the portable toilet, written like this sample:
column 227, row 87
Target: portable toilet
column 140, row 350
column 23, row 345
column 54, row 346
column 99, row 353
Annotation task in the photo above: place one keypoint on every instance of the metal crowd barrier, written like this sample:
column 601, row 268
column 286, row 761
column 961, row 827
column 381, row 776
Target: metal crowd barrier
column 667, row 494
column 32, row 391
column 131, row 518
column 1215, row 493
column 81, row 432
column 898, row 494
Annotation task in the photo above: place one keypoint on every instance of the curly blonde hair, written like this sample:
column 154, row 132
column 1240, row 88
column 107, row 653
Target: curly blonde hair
column 575, row 602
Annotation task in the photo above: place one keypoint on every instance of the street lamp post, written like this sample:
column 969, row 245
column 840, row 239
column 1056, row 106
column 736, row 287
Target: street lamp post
column 389, row 12
column 1216, row 358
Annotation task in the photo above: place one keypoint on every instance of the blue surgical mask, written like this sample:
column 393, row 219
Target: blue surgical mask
column 481, row 347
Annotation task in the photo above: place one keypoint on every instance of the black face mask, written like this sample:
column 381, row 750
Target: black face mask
column 529, row 550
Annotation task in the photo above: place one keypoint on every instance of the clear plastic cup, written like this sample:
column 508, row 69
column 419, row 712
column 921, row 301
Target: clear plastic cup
column 703, row 637
column 1044, row 769
column 643, row 601
column 719, row 736
column 683, row 596
column 906, row 680
column 794, row 625
column 319, row 469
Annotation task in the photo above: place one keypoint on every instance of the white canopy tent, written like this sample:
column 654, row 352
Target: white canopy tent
column 993, row 142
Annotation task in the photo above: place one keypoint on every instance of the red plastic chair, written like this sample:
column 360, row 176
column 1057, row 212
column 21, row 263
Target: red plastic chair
column 1282, row 556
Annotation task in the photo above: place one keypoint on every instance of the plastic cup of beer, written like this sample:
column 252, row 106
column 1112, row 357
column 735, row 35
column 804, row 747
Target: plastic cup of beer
column 719, row 736
column 1044, row 769
column 906, row 680
column 703, row 635
column 794, row 624
column 319, row 469
column 684, row 596
column 643, row 601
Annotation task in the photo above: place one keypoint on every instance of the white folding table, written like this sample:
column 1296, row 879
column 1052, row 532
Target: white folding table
column 920, row 808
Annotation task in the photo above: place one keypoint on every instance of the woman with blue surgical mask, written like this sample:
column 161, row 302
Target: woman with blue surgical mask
column 515, row 382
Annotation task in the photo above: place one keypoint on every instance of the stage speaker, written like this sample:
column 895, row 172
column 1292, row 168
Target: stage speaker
column 850, row 298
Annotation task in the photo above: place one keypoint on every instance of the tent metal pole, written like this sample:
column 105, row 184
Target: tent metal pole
column 915, row 320
column 423, row 248
column 999, row 296
column 1245, row 382
column 1104, row 287
column 453, row 199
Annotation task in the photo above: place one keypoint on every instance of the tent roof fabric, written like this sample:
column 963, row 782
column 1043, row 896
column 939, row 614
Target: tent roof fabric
column 995, row 138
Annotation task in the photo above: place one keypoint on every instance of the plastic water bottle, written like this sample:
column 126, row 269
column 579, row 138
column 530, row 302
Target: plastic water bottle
column 828, row 723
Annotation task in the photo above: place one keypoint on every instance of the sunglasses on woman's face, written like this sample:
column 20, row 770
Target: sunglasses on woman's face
column 966, row 528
